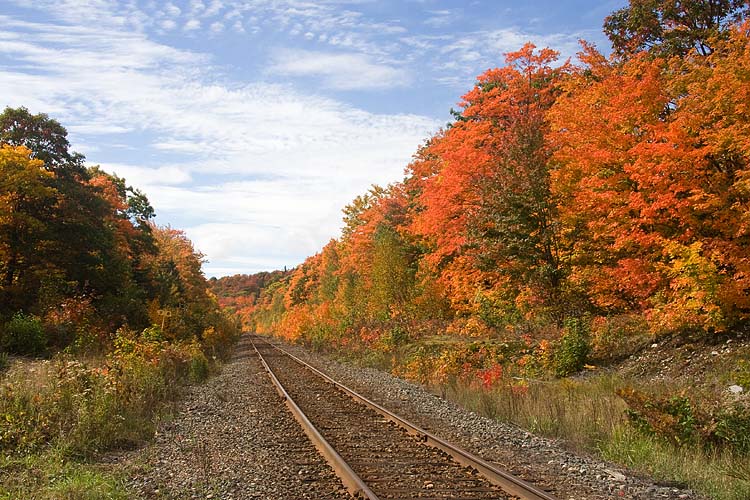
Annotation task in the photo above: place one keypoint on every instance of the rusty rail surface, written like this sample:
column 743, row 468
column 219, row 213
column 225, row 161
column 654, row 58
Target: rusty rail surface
column 356, row 486
column 353, row 483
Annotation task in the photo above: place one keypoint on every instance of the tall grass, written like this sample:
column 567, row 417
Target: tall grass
column 581, row 412
column 719, row 475
column 50, row 475
column 58, row 415
column 588, row 415
column 83, row 409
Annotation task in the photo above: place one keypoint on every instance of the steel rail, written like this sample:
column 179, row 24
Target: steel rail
column 509, row 483
column 353, row 483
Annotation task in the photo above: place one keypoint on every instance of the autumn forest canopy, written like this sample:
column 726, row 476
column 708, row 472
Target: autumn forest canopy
column 574, row 214
column 81, row 259
column 598, row 191
column 565, row 195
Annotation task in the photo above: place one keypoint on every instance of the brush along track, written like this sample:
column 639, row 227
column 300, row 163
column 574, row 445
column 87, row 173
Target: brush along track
column 377, row 454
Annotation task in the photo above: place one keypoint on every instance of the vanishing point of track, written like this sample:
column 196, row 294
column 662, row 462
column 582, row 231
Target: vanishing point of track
column 377, row 454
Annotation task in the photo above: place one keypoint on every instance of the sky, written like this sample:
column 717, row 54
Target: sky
column 250, row 124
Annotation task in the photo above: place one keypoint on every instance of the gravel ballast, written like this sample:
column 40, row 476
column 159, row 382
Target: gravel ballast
column 541, row 461
column 233, row 438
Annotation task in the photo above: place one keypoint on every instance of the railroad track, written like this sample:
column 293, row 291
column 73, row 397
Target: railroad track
column 377, row 454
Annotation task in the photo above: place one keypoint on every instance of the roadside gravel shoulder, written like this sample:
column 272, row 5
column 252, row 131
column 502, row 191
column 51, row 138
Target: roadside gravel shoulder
column 543, row 462
column 232, row 438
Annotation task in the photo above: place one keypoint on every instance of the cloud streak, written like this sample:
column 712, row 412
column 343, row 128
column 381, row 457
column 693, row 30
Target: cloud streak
column 340, row 71
column 299, row 157
column 255, row 167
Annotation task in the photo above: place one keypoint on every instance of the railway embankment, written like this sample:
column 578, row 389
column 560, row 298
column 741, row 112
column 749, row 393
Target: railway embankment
column 234, row 438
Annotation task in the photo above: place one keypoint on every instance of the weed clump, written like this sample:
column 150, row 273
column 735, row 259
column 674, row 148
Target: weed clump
column 682, row 421
column 23, row 334
column 572, row 352
column 86, row 408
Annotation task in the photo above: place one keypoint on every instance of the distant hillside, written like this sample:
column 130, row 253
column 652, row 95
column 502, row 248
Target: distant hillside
column 240, row 292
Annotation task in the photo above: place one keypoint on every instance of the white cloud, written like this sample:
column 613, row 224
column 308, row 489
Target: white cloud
column 172, row 10
column 99, row 127
column 197, row 6
column 192, row 25
column 144, row 176
column 278, row 221
column 341, row 71
column 296, row 158
column 238, row 27
column 168, row 24
column 214, row 8
column 440, row 18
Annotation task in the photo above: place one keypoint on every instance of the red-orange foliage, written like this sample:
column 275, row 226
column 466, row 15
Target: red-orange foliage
column 654, row 182
column 483, row 184
column 618, row 186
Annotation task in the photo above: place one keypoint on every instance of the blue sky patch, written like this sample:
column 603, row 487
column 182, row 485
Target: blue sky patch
column 250, row 124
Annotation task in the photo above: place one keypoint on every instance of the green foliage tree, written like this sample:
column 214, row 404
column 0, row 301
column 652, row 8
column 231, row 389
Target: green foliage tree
column 672, row 27
column 181, row 288
column 392, row 273
column 28, row 202
column 84, row 251
column 79, row 251
column 45, row 137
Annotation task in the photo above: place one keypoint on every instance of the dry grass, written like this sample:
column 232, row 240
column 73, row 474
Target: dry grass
column 588, row 415
column 57, row 416
column 580, row 412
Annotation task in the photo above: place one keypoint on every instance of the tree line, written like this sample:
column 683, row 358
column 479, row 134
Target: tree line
column 80, row 255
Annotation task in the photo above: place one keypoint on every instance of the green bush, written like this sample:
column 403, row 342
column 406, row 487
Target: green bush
column 672, row 418
column 733, row 429
column 572, row 351
column 153, row 334
column 682, row 421
column 24, row 334
column 198, row 367
column 396, row 336
column 741, row 373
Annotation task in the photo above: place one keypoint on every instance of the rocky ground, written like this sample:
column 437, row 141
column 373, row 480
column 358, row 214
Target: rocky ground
column 538, row 460
column 718, row 366
column 233, row 438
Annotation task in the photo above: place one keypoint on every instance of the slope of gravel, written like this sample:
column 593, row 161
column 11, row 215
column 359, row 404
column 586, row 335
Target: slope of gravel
column 233, row 438
column 703, row 363
column 538, row 460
